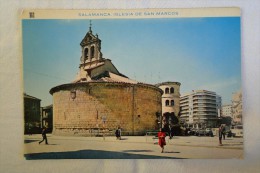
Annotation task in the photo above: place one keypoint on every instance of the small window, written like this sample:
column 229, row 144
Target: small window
column 85, row 54
column 166, row 90
column 172, row 102
column 92, row 52
column 167, row 103
column 172, row 90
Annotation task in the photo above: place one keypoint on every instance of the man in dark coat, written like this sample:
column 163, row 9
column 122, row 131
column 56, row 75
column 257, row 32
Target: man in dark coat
column 118, row 133
column 44, row 137
column 220, row 129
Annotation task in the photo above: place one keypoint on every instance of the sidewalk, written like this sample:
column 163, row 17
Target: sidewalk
column 131, row 147
column 195, row 141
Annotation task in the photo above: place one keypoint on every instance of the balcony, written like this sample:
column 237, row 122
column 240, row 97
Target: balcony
column 183, row 112
column 209, row 106
column 210, row 94
column 204, row 110
column 204, row 97
column 204, row 101
column 205, row 114
column 184, row 107
column 184, row 101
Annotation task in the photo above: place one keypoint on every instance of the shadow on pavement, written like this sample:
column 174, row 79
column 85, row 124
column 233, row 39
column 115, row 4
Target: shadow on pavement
column 26, row 141
column 137, row 151
column 171, row 152
column 92, row 154
column 124, row 139
column 232, row 144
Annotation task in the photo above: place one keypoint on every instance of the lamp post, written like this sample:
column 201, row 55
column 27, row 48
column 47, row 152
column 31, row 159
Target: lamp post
column 159, row 119
column 170, row 120
column 104, row 118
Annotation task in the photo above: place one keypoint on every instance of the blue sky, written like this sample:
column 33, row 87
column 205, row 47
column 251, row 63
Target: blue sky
column 200, row 53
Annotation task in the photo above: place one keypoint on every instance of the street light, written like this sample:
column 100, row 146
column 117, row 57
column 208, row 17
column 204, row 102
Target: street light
column 104, row 118
column 159, row 119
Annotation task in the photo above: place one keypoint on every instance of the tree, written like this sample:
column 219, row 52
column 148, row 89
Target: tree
column 226, row 120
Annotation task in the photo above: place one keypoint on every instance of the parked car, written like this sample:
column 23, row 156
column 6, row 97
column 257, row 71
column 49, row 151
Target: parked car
column 209, row 132
column 237, row 131
column 191, row 132
column 201, row 132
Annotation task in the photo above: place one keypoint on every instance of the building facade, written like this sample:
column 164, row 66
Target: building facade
column 226, row 110
column 47, row 117
column 103, row 99
column 237, row 108
column 32, row 114
column 170, row 102
column 200, row 109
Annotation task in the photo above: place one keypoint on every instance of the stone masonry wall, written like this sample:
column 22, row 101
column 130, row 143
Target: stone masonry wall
column 99, row 106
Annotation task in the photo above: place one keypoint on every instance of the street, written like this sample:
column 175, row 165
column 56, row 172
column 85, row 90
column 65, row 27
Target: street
column 131, row 147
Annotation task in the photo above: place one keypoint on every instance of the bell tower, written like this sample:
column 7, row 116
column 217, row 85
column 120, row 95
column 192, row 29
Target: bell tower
column 91, row 47
column 92, row 65
column 91, row 55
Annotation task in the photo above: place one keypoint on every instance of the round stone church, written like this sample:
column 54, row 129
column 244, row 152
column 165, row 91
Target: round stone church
column 101, row 99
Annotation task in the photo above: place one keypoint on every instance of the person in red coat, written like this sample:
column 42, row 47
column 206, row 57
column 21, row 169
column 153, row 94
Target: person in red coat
column 161, row 137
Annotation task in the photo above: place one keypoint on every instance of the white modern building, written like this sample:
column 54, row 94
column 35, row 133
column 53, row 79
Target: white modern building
column 226, row 110
column 200, row 109
column 237, row 107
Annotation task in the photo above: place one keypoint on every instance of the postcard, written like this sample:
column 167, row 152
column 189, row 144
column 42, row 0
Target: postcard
column 132, row 84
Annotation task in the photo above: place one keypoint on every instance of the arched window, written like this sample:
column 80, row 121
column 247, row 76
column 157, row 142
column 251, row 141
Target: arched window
column 172, row 102
column 92, row 52
column 172, row 90
column 167, row 103
column 85, row 54
column 166, row 90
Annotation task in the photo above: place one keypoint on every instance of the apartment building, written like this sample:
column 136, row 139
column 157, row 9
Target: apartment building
column 200, row 109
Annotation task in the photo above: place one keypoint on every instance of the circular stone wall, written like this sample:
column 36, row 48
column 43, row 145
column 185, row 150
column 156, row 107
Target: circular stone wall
column 94, row 108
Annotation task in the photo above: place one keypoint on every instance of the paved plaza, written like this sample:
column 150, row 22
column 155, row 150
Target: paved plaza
column 131, row 147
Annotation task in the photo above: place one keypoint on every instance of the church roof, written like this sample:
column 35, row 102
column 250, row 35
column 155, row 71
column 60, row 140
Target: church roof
column 94, row 65
column 48, row 107
column 30, row 97
column 111, row 77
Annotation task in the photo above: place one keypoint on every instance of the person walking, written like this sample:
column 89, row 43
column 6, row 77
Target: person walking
column 44, row 136
column 118, row 133
column 220, row 134
column 161, row 137
column 223, row 132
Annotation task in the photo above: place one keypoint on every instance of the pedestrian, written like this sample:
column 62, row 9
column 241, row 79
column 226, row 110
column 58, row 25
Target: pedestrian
column 223, row 132
column 161, row 137
column 220, row 134
column 170, row 132
column 44, row 136
column 118, row 133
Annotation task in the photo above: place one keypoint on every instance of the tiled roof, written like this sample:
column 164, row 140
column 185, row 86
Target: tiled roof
column 30, row 97
column 111, row 77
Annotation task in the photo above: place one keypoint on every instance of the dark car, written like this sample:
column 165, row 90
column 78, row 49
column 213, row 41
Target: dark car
column 209, row 132
column 191, row 132
column 200, row 132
